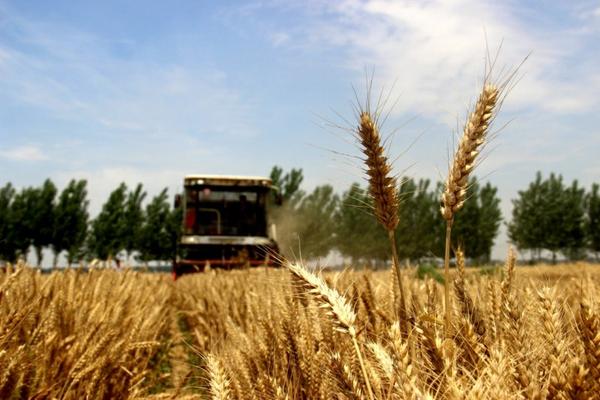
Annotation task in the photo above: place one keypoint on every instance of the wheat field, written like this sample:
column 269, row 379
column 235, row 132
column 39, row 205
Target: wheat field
column 293, row 333
column 516, row 333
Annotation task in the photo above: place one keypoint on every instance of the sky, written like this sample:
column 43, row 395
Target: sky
column 140, row 91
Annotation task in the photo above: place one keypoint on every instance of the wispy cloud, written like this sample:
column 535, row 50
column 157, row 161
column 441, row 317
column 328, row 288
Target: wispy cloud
column 435, row 51
column 23, row 153
column 75, row 76
column 279, row 38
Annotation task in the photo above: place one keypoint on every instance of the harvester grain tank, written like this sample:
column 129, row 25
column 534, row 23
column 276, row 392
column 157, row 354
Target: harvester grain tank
column 226, row 223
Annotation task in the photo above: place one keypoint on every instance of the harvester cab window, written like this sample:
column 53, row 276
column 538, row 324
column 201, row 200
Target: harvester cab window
column 220, row 211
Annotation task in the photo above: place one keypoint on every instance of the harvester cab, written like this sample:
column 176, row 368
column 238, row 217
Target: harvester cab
column 226, row 223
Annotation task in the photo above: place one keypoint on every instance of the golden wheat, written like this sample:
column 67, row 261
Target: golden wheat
column 530, row 332
column 383, row 190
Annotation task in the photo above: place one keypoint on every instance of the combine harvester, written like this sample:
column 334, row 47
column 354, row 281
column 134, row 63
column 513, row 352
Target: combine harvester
column 226, row 224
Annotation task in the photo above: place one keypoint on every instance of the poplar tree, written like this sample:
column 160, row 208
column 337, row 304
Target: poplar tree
column 7, row 245
column 418, row 215
column 550, row 216
column 359, row 235
column 592, row 220
column 133, row 220
column 157, row 234
column 525, row 229
column 108, row 233
column 42, row 223
column 22, row 215
column 70, row 221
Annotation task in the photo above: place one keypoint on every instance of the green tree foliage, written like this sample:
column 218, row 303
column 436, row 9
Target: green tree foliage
column 70, row 221
column 285, row 215
column 592, row 220
column 553, row 220
column 358, row 235
column 8, row 250
column 316, row 226
column 288, row 184
column 466, row 223
column 133, row 219
column 549, row 216
column 174, row 230
column 475, row 226
column 489, row 222
column 525, row 229
column 22, row 214
column 418, row 212
column 160, row 231
column 42, row 223
column 305, row 223
column 573, row 243
column 107, row 237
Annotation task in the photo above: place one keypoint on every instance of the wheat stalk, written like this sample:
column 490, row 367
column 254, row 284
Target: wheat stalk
column 382, row 189
column 455, row 190
column 468, row 308
column 343, row 316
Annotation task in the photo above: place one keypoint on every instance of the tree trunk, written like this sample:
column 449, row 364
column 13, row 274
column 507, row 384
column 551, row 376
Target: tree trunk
column 531, row 256
column 39, row 255
column 554, row 258
column 55, row 260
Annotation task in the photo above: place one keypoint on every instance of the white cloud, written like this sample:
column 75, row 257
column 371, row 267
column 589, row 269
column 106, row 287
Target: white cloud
column 23, row 153
column 435, row 50
column 589, row 12
column 279, row 38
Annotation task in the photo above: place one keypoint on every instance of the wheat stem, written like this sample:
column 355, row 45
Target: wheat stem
column 448, row 310
column 455, row 191
column 401, row 312
column 362, row 365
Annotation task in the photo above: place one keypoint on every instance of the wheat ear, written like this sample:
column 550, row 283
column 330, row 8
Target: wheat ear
column 455, row 190
column 219, row 383
column 382, row 188
column 336, row 306
column 468, row 308
column 589, row 331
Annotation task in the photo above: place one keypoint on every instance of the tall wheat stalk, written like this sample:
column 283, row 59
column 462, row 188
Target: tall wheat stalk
column 473, row 138
column 383, row 189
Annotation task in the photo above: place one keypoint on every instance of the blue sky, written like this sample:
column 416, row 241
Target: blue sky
column 141, row 91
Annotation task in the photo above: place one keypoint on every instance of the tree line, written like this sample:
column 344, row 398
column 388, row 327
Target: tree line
column 556, row 217
column 312, row 224
column 40, row 217
column 548, row 215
